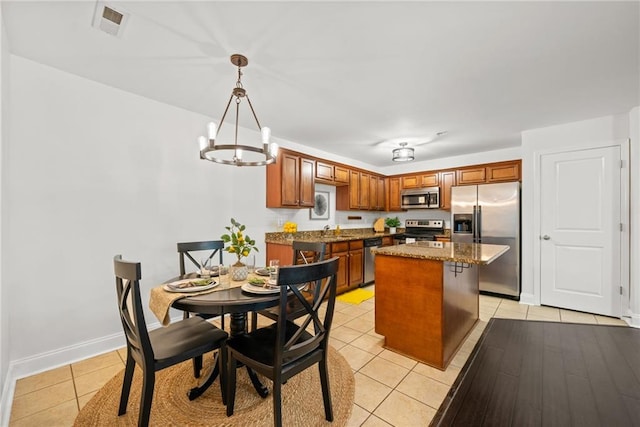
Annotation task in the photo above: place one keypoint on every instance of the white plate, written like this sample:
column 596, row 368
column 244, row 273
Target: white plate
column 262, row 271
column 253, row 289
column 172, row 287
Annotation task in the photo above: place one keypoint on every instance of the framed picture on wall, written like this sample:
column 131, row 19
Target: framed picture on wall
column 321, row 208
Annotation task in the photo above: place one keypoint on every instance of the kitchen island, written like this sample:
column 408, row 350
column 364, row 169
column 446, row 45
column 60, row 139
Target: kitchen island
column 427, row 296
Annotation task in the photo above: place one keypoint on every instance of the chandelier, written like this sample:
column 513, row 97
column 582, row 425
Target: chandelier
column 403, row 154
column 238, row 154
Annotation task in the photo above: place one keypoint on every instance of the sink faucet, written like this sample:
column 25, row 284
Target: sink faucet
column 325, row 229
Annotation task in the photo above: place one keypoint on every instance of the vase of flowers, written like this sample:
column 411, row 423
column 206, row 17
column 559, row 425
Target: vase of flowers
column 241, row 245
column 392, row 223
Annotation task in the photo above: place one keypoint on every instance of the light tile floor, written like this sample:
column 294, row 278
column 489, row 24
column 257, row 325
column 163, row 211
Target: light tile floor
column 391, row 390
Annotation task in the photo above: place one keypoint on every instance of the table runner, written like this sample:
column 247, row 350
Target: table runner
column 161, row 301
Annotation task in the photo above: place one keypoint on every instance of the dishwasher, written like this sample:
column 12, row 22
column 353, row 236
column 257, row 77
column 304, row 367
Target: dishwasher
column 369, row 258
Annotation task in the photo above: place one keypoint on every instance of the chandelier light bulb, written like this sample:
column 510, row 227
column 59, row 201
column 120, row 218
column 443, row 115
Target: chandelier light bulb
column 212, row 129
column 266, row 134
column 202, row 142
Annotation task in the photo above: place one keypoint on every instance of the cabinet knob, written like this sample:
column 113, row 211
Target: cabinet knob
column 546, row 237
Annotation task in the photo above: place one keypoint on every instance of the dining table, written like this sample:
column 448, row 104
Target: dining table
column 227, row 297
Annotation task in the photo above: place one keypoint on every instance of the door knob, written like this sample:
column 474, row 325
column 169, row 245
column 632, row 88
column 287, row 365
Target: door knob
column 546, row 237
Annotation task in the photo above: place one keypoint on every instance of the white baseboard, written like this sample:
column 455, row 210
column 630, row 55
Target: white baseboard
column 528, row 299
column 635, row 320
column 53, row 359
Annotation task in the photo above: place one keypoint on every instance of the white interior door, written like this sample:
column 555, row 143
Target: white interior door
column 580, row 230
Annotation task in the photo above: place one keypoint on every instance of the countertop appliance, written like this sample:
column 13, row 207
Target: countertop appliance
column 490, row 213
column 421, row 198
column 420, row 230
column 369, row 266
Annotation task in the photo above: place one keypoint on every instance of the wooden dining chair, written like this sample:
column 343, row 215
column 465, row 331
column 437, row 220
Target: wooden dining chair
column 284, row 349
column 187, row 251
column 160, row 348
column 303, row 253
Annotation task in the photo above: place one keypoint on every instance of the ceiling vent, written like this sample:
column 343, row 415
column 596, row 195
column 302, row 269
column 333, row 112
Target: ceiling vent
column 109, row 19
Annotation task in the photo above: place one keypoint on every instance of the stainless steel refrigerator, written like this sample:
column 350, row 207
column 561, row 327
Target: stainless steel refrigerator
column 490, row 213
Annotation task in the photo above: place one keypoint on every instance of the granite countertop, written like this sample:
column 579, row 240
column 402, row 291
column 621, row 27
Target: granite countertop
column 329, row 237
column 472, row 253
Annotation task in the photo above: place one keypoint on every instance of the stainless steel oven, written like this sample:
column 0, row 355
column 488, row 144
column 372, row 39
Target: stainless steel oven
column 417, row 230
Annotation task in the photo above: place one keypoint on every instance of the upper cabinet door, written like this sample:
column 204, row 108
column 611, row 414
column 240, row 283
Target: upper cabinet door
column 365, row 184
column 341, row 175
column 395, row 202
column 324, row 171
column 472, row 176
column 382, row 194
column 290, row 186
column 447, row 180
column 504, row 172
column 306, row 183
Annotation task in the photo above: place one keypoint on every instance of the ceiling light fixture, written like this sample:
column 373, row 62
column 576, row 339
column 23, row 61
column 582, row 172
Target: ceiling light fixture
column 232, row 154
column 403, row 154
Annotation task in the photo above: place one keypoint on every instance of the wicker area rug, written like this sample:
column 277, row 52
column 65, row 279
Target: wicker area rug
column 301, row 400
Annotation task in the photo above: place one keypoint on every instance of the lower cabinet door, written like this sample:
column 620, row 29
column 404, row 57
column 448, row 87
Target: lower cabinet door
column 356, row 267
column 343, row 271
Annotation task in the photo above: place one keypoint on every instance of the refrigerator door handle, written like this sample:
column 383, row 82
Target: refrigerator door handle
column 474, row 223
column 479, row 223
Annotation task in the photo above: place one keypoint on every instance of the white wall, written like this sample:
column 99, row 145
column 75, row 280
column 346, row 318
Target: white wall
column 634, row 133
column 93, row 172
column 581, row 134
column 4, row 126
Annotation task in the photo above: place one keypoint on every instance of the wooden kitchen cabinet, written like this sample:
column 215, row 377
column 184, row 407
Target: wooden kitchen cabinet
column 355, row 196
column 504, row 172
column 290, row 181
column 387, row 241
column 418, row 181
column 377, row 193
column 382, row 193
column 364, row 191
column 492, row 172
column 395, row 201
column 283, row 253
column 329, row 173
column 340, row 175
column 324, row 172
column 350, row 264
column 477, row 175
column 447, row 180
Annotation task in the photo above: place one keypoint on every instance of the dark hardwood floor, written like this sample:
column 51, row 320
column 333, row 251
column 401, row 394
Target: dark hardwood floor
column 530, row 373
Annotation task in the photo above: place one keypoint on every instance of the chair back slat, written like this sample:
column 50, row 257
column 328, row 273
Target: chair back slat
column 291, row 279
column 185, row 249
column 128, row 275
column 307, row 252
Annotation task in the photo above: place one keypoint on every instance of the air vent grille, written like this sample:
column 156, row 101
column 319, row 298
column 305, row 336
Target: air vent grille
column 112, row 15
column 106, row 18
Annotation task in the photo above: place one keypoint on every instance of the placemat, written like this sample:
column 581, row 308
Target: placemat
column 161, row 301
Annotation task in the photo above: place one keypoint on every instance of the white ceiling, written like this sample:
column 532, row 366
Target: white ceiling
column 349, row 77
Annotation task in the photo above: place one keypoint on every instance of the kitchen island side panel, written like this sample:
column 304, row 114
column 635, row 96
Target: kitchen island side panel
column 409, row 307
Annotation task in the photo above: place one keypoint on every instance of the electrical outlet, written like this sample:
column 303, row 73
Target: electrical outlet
column 280, row 221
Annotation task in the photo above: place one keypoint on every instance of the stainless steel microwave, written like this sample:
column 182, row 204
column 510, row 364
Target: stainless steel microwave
column 421, row 198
